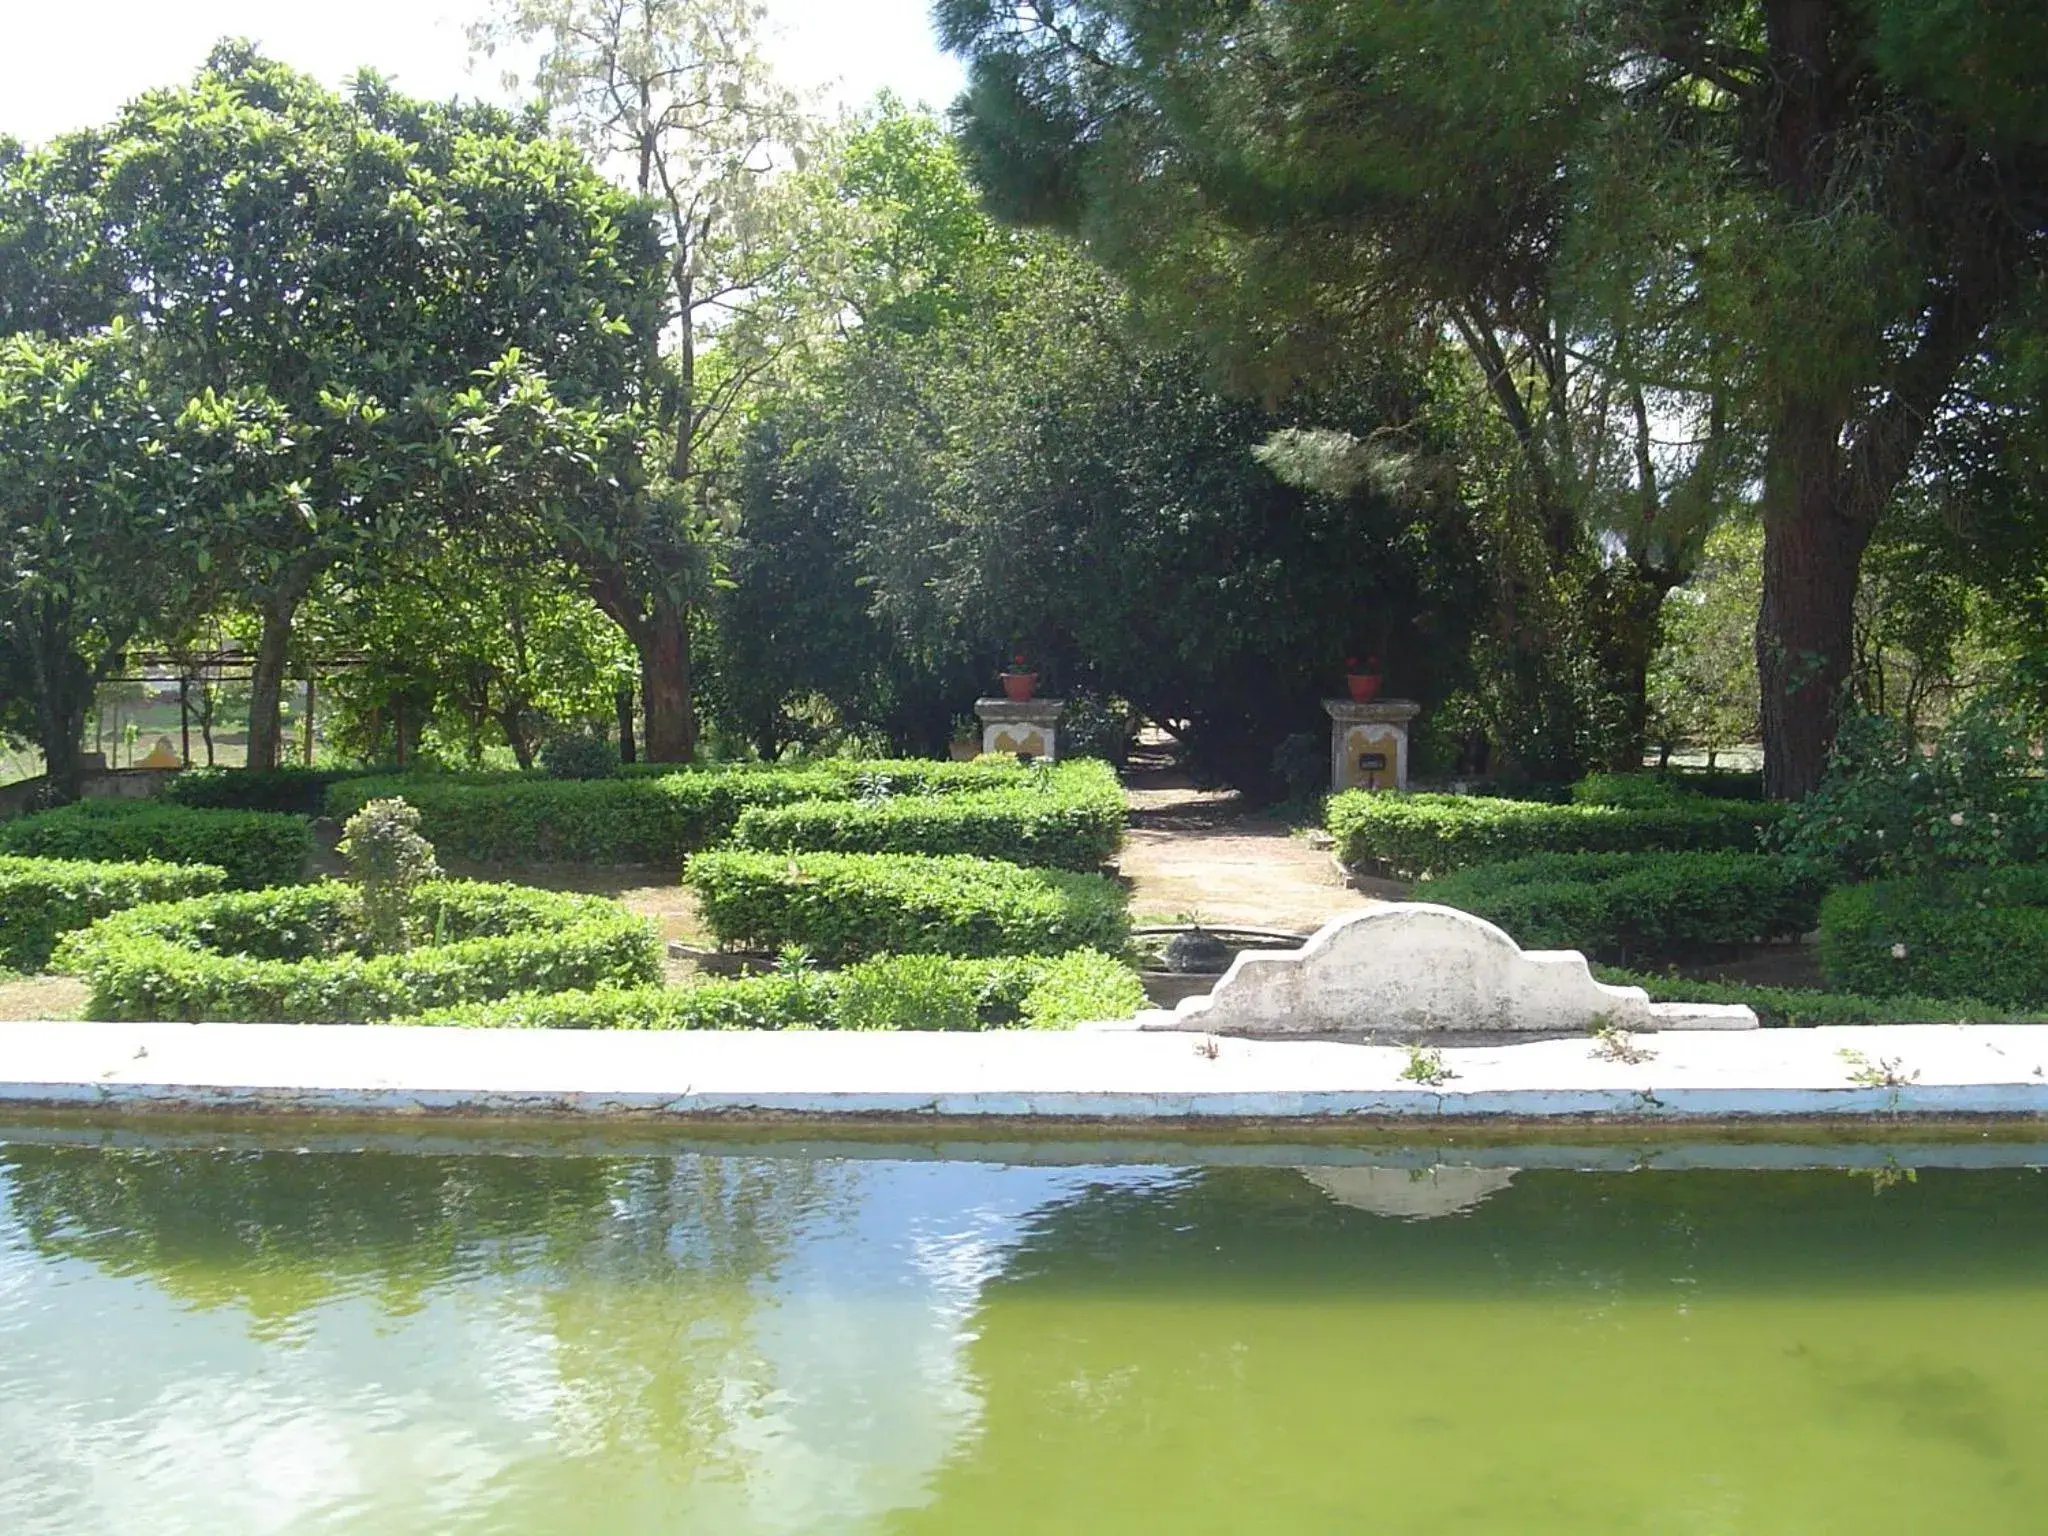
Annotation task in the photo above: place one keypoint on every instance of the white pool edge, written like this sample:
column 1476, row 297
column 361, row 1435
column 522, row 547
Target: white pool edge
column 1101, row 1076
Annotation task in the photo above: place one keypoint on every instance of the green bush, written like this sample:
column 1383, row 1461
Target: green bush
column 1409, row 836
column 1804, row 1008
column 1890, row 810
column 286, row 791
column 1072, row 819
column 894, row 992
column 41, row 900
column 1634, row 904
column 579, row 755
column 1982, row 935
column 300, row 955
column 255, row 848
column 642, row 816
column 844, row 907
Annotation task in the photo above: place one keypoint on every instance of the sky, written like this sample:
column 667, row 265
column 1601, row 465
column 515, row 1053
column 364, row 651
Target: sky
column 67, row 64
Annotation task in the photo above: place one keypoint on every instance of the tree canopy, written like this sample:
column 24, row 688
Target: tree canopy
column 1792, row 225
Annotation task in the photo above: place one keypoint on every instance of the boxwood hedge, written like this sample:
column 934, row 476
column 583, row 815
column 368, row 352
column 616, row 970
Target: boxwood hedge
column 638, row 817
column 1807, row 1008
column 1634, row 904
column 893, row 992
column 298, row 956
column 289, row 791
column 1981, row 935
column 41, row 900
column 255, row 848
column 844, row 907
column 1410, row 836
column 1072, row 819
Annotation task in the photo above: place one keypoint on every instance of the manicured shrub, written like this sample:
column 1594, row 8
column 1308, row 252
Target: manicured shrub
column 1634, row 904
column 1073, row 819
column 1409, row 836
column 255, row 848
column 41, row 900
column 286, row 791
column 579, row 755
column 388, row 861
column 894, row 992
column 1804, row 1008
column 1983, row 935
column 638, row 817
column 301, row 955
column 848, row 906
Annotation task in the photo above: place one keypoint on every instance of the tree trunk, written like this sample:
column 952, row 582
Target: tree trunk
column 512, row 721
column 671, row 723
column 64, row 685
column 622, row 701
column 61, row 706
column 1815, row 532
column 266, row 680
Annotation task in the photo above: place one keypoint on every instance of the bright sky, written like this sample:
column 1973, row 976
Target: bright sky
column 69, row 63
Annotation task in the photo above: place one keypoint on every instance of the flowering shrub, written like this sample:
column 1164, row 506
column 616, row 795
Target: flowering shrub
column 1889, row 809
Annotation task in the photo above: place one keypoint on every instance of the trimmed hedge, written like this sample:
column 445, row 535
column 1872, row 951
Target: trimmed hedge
column 287, row 791
column 638, row 817
column 1804, row 1008
column 41, row 900
column 1685, row 785
column 1983, row 935
column 894, row 992
column 1075, row 820
column 1638, row 904
column 296, row 956
column 1410, row 836
column 844, row 907
column 256, row 849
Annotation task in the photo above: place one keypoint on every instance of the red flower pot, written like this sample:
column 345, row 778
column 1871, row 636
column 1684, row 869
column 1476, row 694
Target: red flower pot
column 1019, row 686
column 1365, row 686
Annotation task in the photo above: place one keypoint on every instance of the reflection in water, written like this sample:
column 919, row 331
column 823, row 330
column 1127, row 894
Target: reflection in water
column 228, row 1343
column 380, row 1342
column 1413, row 1194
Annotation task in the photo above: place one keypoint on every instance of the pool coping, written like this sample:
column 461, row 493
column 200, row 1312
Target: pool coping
column 1032, row 1078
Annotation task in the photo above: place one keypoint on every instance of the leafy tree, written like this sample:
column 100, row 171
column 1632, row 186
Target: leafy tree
column 1806, row 217
column 674, row 96
column 117, row 500
column 355, row 258
column 992, row 461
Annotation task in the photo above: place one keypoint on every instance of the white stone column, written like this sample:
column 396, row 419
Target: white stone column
column 1020, row 728
column 1369, row 743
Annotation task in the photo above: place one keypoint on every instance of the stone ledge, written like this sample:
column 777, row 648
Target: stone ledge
column 1026, row 1075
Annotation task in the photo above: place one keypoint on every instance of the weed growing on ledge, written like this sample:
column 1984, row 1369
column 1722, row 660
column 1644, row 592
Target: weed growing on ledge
column 1425, row 1066
column 1611, row 1042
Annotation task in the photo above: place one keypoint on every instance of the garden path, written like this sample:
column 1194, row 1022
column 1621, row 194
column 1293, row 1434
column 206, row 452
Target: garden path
column 1199, row 854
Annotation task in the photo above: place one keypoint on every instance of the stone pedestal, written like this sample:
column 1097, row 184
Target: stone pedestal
column 1020, row 729
column 1369, row 743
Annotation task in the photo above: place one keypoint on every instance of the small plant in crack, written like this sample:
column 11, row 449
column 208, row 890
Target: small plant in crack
column 1881, row 1073
column 1425, row 1066
column 1611, row 1042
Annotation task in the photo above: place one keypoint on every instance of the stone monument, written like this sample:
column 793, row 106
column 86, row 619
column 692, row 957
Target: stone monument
column 1369, row 743
column 1408, row 968
column 1020, row 727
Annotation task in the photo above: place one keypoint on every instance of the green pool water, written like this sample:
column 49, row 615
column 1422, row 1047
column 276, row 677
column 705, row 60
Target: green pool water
column 739, row 1342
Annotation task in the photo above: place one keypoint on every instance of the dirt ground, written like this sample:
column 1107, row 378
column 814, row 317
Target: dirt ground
column 1193, row 856
column 42, row 997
